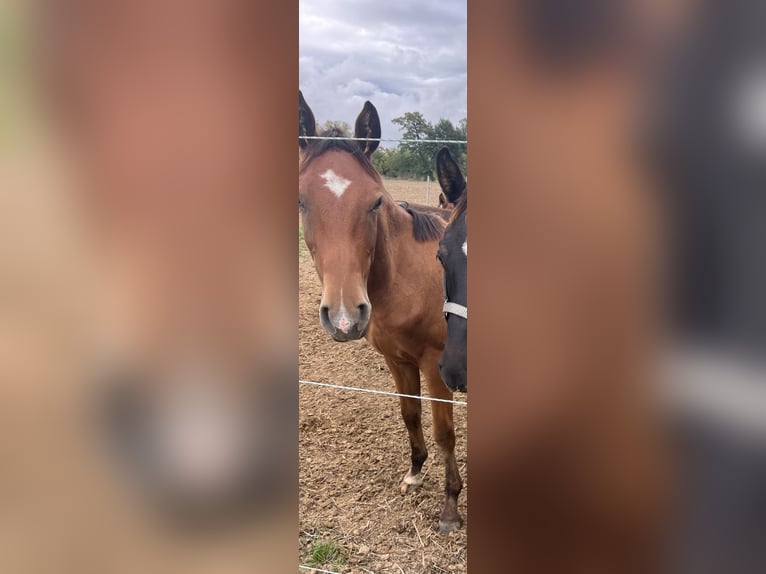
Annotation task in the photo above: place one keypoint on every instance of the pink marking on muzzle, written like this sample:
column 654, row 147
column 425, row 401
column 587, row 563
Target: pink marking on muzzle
column 344, row 324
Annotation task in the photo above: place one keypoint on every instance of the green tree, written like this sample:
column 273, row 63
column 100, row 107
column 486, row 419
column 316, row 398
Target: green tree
column 396, row 162
column 445, row 130
column 413, row 126
column 420, row 156
column 416, row 159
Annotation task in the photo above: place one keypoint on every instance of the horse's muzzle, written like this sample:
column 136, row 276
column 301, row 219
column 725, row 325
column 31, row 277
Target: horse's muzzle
column 341, row 337
column 454, row 375
column 345, row 326
column 200, row 455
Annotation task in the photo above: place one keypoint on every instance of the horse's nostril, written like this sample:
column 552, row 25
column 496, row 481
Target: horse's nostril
column 324, row 313
column 364, row 311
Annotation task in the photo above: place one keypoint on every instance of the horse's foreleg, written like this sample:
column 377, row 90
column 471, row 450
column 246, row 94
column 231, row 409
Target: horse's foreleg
column 407, row 379
column 444, row 435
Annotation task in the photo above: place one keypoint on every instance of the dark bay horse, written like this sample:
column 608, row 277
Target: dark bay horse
column 453, row 256
column 380, row 279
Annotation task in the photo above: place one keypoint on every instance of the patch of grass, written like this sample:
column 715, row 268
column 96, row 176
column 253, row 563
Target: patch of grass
column 326, row 553
column 13, row 72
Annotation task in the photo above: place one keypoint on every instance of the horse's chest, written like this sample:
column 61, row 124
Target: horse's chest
column 382, row 344
column 405, row 341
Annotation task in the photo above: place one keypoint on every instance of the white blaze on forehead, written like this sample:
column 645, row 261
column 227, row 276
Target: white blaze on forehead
column 465, row 247
column 335, row 183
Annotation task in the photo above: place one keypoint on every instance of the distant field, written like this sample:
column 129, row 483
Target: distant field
column 414, row 191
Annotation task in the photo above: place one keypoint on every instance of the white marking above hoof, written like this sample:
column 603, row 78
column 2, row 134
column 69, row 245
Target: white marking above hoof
column 411, row 482
column 413, row 479
column 335, row 183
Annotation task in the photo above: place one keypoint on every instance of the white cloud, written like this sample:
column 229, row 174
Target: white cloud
column 401, row 55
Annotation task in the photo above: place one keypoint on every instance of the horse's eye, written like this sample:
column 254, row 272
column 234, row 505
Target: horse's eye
column 377, row 204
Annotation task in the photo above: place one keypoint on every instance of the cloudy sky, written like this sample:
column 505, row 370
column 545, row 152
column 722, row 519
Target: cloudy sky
column 402, row 55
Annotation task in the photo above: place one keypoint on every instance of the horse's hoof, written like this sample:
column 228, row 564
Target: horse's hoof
column 405, row 488
column 411, row 482
column 446, row 526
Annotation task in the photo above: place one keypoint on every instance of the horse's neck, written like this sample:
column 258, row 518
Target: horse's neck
column 389, row 253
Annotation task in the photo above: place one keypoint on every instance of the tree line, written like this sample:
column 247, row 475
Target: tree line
column 416, row 160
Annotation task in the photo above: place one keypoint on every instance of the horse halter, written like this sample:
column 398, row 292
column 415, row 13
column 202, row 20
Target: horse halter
column 455, row 309
column 449, row 306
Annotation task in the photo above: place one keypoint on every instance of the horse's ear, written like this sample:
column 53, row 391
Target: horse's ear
column 306, row 123
column 450, row 177
column 368, row 126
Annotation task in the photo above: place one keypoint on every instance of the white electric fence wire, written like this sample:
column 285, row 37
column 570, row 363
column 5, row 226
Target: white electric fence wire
column 348, row 138
column 376, row 392
column 318, row 570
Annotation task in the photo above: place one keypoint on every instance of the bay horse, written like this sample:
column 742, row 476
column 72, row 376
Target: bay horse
column 183, row 373
column 453, row 256
column 380, row 279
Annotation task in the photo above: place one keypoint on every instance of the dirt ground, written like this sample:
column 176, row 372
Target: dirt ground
column 354, row 452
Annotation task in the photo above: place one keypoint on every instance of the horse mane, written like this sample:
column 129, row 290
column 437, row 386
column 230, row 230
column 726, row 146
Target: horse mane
column 316, row 148
column 427, row 222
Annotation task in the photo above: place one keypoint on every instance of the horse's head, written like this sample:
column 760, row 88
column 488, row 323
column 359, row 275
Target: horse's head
column 453, row 255
column 443, row 203
column 340, row 197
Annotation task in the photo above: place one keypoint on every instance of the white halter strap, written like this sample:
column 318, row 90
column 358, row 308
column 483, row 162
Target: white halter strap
column 455, row 309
